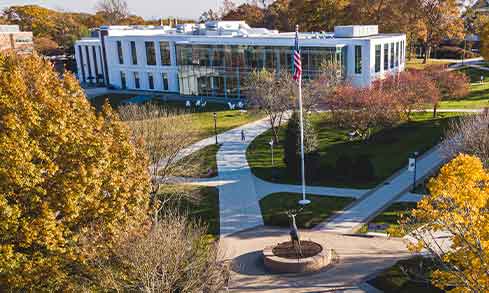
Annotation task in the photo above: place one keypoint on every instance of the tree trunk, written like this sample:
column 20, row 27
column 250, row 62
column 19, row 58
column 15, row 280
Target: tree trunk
column 435, row 106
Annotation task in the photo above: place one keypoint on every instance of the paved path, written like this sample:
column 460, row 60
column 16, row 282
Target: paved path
column 358, row 257
column 351, row 219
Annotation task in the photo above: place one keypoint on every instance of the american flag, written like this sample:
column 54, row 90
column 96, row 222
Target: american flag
column 297, row 57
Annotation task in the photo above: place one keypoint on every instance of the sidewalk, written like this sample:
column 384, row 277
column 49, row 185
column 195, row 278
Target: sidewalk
column 351, row 219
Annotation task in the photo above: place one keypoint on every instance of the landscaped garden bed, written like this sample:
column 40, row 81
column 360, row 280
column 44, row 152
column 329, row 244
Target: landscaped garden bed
column 387, row 150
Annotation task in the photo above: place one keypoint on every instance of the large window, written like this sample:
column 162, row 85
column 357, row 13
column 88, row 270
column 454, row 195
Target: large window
column 151, row 81
column 397, row 54
column 137, row 81
column 358, row 59
column 165, row 53
column 123, row 80
column 134, row 53
column 164, row 77
column 386, row 57
column 378, row 55
column 119, row 52
column 150, row 53
column 392, row 55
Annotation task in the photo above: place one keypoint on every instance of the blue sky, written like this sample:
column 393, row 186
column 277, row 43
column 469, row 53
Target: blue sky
column 145, row 8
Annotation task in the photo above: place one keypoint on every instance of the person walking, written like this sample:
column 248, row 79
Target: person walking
column 243, row 137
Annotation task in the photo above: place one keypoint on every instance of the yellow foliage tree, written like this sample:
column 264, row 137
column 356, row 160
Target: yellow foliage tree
column 70, row 181
column 458, row 207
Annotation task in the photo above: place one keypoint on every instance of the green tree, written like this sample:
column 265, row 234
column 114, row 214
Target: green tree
column 70, row 181
column 292, row 149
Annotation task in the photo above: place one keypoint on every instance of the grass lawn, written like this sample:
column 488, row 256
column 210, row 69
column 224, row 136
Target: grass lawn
column 388, row 150
column 418, row 63
column 204, row 161
column 203, row 121
column 203, row 205
column 390, row 218
column 402, row 277
column 479, row 93
column 274, row 207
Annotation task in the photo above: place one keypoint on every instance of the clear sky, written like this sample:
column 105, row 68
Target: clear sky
column 149, row 9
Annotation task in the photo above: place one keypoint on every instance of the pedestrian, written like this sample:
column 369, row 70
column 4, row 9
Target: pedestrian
column 243, row 137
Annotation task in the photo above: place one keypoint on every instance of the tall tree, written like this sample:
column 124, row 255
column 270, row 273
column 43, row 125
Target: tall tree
column 441, row 19
column 114, row 11
column 484, row 38
column 456, row 209
column 70, row 181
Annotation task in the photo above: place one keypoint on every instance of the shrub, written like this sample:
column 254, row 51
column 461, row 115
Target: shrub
column 344, row 166
column 363, row 169
column 452, row 52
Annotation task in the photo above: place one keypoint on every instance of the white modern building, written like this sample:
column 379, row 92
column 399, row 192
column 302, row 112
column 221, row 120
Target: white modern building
column 214, row 59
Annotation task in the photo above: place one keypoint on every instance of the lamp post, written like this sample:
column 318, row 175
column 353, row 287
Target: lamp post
column 273, row 165
column 215, row 126
column 412, row 168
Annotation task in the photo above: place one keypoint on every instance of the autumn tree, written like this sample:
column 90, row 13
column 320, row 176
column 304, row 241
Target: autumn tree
column 174, row 256
column 163, row 135
column 114, row 11
column 484, row 37
column 441, row 19
column 70, row 181
column 272, row 94
column 413, row 89
column 363, row 109
column 455, row 220
column 468, row 135
column 252, row 14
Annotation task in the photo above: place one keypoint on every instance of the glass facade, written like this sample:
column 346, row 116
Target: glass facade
column 150, row 53
column 397, row 54
column 123, row 80
column 392, row 55
column 119, row 52
column 134, row 53
column 220, row 70
column 386, row 57
column 164, row 78
column 151, row 81
column 358, row 59
column 137, row 82
column 165, row 53
column 378, row 55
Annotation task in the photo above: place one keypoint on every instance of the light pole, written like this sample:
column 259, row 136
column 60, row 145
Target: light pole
column 413, row 164
column 215, row 126
column 271, row 147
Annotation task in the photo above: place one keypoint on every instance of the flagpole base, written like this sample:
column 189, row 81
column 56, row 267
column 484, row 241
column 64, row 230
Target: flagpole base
column 304, row 202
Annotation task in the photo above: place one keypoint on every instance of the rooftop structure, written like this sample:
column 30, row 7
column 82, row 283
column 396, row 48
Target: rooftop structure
column 213, row 59
column 11, row 38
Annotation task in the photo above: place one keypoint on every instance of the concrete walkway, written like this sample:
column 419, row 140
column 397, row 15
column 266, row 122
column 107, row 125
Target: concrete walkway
column 373, row 202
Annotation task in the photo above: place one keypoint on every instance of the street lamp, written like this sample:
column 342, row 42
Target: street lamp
column 215, row 126
column 271, row 148
column 412, row 167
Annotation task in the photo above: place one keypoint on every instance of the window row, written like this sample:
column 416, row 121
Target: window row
column 150, row 53
column 394, row 53
column 256, row 57
column 150, row 78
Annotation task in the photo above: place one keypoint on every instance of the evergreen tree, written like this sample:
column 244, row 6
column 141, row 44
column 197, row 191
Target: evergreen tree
column 292, row 150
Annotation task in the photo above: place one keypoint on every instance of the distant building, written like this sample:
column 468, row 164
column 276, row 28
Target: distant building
column 11, row 38
column 213, row 59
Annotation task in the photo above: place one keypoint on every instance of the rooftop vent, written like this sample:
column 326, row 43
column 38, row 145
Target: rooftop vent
column 355, row 31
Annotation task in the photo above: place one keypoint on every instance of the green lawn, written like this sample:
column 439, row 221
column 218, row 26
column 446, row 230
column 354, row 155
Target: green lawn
column 403, row 277
column 417, row 64
column 478, row 97
column 390, row 217
column 388, row 150
column 274, row 207
column 202, row 206
column 204, row 163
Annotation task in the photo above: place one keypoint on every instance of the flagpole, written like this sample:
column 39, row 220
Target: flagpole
column 304, row 201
